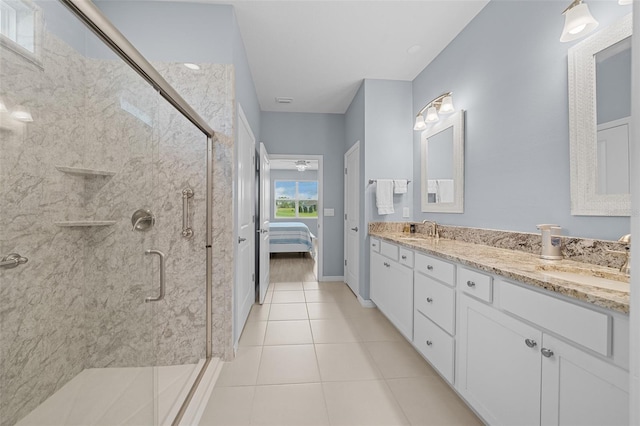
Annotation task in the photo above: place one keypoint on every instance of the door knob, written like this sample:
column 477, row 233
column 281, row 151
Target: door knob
column 240, row 239
column 355, row 229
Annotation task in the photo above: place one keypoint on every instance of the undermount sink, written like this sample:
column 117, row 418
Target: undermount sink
column 608, row 280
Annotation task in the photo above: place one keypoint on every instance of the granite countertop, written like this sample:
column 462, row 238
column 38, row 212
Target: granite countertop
column 526, row 268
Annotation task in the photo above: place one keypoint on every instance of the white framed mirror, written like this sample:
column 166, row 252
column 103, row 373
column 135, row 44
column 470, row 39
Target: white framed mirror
column 599, row 117
column 442, row 164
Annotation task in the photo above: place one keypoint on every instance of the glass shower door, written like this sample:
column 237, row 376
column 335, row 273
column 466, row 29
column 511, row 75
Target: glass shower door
column 78, row 157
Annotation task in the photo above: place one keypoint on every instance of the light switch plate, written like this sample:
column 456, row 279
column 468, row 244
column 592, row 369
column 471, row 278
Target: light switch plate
column 329, row 212
column 405, row 212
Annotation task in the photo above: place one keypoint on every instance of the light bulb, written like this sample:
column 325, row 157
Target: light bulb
column 420, row 124
column 432, row 115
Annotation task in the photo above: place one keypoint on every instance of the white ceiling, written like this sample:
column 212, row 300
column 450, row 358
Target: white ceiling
column 318, row 51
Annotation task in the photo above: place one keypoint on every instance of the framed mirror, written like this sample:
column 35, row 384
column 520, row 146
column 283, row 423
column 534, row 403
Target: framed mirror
column 599, row 118
column 442, row 164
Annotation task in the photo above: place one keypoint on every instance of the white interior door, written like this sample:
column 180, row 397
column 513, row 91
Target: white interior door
column 245, row 260
column 265, row 217
column 352, row 216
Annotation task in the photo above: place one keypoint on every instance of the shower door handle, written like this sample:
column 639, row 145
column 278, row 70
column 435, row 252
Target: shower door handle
column 162, row 276
column 187, row 232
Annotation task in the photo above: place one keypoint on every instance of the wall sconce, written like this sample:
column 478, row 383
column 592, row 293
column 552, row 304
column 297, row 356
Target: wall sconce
column 578, row 21
column 301, row 165
column 443, row 104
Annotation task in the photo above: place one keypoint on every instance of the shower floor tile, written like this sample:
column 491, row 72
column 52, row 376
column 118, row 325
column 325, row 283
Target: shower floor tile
column 115, row 396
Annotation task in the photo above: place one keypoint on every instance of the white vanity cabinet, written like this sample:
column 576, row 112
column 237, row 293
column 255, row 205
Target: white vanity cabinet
column 499, row 365
column 391, row 288
column 515, row 366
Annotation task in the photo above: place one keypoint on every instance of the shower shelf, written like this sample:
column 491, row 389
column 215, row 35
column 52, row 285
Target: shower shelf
column 77, row 171
column 84, row 223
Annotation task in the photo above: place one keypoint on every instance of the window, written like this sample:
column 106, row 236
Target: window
column 20, row 27
column 296, row 199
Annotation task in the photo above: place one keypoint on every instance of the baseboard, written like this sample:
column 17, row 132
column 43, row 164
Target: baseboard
column 334, row 278
column 366, row 303
column 196, row 408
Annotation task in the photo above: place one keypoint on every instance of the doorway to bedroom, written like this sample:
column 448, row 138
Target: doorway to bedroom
column 296, row 215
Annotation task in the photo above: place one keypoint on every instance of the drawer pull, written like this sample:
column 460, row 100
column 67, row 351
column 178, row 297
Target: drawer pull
column 546, row 352
column 387, row 265
column 429, row 267
column 471, row 284
column 531, row 343
column 429, row 300
column 404, row 257
column 429, row 342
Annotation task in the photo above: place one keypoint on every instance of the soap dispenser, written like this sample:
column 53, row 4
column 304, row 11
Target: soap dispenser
column 551, row 242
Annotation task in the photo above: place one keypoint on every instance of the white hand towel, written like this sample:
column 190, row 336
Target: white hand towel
column 384, row 196
column 400, row 186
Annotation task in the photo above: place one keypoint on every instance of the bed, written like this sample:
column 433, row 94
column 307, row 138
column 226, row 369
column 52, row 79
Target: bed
column 290, row 237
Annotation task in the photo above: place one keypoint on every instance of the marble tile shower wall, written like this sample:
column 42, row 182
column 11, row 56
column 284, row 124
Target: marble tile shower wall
column 42, row 333
column 79, row 304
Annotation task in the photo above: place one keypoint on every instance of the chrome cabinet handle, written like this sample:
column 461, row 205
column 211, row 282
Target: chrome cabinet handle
column 471, row 284
column 355, row 229
column 429, row 342
column 546, row 352
column 387, row 265
column 430, row 268
column 240, row 240
column 530, row 343
column 404, row 257
column 429, row 300
column 187, row 232
column 162, row 276
column 374, row 245
column 12, row 260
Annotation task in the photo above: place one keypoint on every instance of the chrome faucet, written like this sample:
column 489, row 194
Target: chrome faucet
column 626, row 240
column 433, row 232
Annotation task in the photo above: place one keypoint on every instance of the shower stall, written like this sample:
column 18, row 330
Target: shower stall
column 105, row 226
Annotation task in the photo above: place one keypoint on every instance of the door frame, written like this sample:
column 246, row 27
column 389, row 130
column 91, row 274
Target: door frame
column 320, row 230
column 345, row 226
column 260, row 209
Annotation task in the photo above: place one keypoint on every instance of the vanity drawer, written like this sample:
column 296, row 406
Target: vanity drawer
column 475, row 284
column 374, row 243
column 435, row 345
column 406, row 257
column 389, row 250
column 435, row 268
column 435, row 300
column 584, row 326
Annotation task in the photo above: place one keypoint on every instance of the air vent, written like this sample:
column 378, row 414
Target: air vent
column 282, row 100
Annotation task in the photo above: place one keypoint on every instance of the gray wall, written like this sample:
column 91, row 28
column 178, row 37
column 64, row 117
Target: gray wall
column 315, row 134
column 508, row 70
column 294, row 175
column 188, row 32
column 380, row 117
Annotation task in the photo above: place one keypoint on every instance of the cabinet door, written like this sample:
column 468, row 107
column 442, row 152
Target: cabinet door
column 499, row 373
column 392, row 291
column 581, row 389
column 377, row 277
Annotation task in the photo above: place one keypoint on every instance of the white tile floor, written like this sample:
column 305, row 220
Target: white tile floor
column 314, row 356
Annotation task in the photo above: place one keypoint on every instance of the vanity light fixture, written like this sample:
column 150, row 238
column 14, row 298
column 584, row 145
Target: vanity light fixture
column 578, row 21
column 22, row 114
column 443, row 104
column 301, row 165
